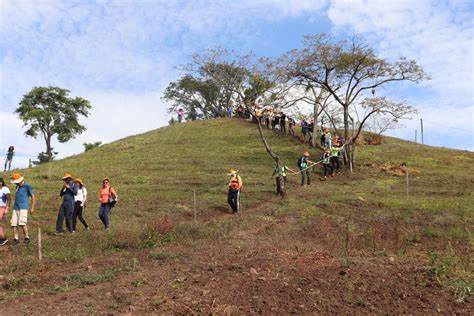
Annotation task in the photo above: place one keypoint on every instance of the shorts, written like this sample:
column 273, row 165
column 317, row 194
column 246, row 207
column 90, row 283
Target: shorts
column 19, row 218
column 2, row 212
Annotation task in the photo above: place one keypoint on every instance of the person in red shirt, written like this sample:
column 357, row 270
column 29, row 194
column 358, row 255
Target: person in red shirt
column 106, row 192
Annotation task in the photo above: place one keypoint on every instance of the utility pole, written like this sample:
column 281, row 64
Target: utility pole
column 421, row 122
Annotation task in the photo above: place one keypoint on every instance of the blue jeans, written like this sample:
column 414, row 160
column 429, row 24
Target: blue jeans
column 104, row 211
column 65, row 211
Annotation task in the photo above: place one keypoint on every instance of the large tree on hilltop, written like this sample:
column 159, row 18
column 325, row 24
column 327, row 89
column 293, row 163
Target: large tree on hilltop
column 199, row 98
column 249, row 80
column 348, row 69
column 50, row 111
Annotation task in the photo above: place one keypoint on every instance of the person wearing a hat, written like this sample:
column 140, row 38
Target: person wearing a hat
column 20, row 208
column 303, row 164
column 233, row 195
column 4, row 205
column 106, row 191
column 68, row 193
column 79, row 204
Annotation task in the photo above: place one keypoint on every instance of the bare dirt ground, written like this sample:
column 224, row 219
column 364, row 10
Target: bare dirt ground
column 273, row 267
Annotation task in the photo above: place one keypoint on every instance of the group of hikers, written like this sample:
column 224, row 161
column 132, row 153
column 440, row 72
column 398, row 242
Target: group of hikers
column 333, row 150
column 74, row 199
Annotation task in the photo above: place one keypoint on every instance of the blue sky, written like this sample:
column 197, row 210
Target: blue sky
column 120, row 55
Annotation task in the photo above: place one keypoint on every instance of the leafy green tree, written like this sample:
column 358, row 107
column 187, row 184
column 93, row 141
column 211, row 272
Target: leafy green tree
column 348, row 70
column 50, row 111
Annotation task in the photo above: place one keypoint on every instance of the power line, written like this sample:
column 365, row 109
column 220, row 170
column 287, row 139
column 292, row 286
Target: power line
column 459, row 129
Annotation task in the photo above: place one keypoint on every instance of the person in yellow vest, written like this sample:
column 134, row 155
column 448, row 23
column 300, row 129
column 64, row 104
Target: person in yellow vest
column 235, row 185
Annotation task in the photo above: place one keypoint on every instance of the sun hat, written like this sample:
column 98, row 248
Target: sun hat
column 17, row 178
column 306, row 153
column 105, row 179
column 231, row 172
column 79, row 180
column 67, row 176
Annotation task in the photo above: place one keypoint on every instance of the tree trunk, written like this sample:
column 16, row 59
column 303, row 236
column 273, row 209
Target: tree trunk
column 49, row 149
column 315, row 117
column 347, row 138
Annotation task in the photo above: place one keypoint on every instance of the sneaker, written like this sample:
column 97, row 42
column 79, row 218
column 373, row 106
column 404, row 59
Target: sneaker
column 26, row 241
column 3, row 241
column 58, row 233
column 15, row 242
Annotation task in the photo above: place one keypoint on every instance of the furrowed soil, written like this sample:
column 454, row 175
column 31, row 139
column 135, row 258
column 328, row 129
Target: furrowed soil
column 353, row 244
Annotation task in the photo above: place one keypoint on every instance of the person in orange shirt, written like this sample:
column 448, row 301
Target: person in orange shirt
column 106, row 192
column 235, row 185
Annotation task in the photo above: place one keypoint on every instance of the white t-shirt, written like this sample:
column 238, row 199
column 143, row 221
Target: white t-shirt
column 3, row 196
column 81, row 194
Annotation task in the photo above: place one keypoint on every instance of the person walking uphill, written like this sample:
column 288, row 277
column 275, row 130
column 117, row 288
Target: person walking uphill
column 68, row 193
column 20, row 208
column 108, row 197
column 281, row 175
column 235, row 185
column 305, row 169
column 4, row 205
column 79, row 205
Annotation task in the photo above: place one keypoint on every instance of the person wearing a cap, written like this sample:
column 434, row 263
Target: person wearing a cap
column 79, row 204
column 233, row 195
column 4, row 205
column 104, row 210
column 20, row 208
column 68, row 193
column 303, row 164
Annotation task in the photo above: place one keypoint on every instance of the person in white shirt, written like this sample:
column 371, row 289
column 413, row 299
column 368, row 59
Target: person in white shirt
column 4, row 205
column 79, row 205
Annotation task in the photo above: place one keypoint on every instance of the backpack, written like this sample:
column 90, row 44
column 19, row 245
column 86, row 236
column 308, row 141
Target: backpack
column 300, row 161
column 112, row 198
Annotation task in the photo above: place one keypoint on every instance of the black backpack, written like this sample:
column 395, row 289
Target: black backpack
column 300, row 161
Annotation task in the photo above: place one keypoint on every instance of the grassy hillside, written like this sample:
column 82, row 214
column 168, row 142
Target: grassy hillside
column 358, row 223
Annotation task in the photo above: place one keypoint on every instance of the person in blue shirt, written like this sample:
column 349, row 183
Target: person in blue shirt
column 68, row 192
column 23, row 192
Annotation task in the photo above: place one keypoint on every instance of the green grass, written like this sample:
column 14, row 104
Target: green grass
column 155, row 174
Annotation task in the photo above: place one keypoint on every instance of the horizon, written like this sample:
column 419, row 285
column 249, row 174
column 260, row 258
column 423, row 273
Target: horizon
column 121, row 56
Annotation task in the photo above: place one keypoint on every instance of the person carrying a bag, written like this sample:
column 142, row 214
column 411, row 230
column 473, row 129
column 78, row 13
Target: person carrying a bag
column 79, row 205
column 108, row 198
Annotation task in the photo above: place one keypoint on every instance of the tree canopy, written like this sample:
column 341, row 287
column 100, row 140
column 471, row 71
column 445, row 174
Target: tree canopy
column 50, row 111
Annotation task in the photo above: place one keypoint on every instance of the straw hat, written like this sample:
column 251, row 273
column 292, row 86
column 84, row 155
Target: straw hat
column 105, row 179
column 232, row 172
column 67, row 176
column 17, row 178
column 306, row 153
column 80, row 181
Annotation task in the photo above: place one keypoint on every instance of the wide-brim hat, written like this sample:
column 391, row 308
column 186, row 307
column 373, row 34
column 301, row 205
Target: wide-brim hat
column 79, row 180
column 231, row 172
column 105, row 179
column 17, row 178
column 306, row 153
column 67, row 176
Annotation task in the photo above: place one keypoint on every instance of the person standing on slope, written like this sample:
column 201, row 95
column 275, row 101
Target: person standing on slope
column 79, row 205
column 305, row 169
column 20, row 207
column 68, row 193
column 9, row 158
column 108, row 197
column 4, row 205
column 233, row 195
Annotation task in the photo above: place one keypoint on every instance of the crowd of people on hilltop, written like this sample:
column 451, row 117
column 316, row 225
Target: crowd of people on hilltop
column 74, row 198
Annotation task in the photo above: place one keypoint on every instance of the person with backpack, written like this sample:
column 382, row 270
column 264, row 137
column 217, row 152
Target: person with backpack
column 107, row 197
column 305, row 169
column 23, row 192
column 79, row 205
column 335, row 157
column 5, row 201
column 68, row 193
column 233, row 195
column 281, row 173
column 326, row 159
column 9, row 158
